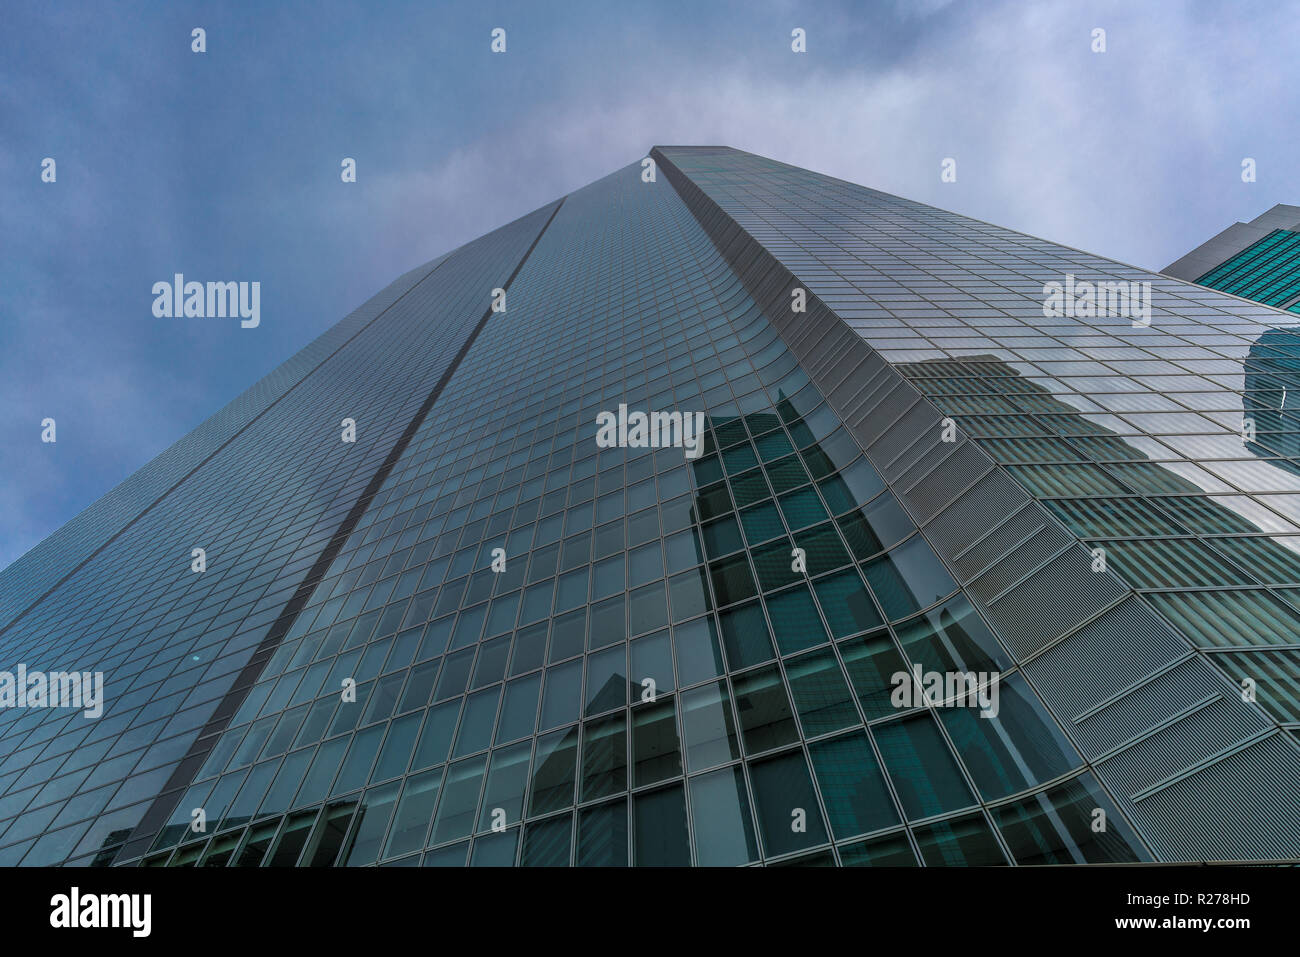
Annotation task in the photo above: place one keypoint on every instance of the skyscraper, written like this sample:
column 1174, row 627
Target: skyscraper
column 437, row 620
column 1259, row 260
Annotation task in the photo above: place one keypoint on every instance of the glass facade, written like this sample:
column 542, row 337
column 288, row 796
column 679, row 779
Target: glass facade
column 477, row 636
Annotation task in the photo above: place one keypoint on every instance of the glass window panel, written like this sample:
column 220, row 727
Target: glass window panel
column 455, row 674
column 519, row 712
column 660, row 833
column 604, row 757
column 724, row 830
column 923, row 770
column 965, row 841
column 547, row 843
column 454, row 855
column 821, row 696
column 708, row 727
column 795, row 620
column 460, row 794
column 762, row 522
column 953, row 637
column 568, row 635
column 503, row 798
column 1059, row 826
column 608, row 622
column 802, row 508
column 491, row 664
column 323, row 847
column 647, row 609
column 787, row 473
column 732, row 580
column 739, row 457
column 254, row 848
column 396, row 752
column 555, row 766
column 656, row 749
column 652, row 660
column 852, row 786
column 1014, row 749
column 356, row 766
column 645, row 564
column 291, row 839
column 909, row 578
column 414, row 811
column 750, row 487
column 766, row 720
column 871, row 662
column 562, row 697
column 477, row 724
column 745, row 635
column 375, row 809
column 435, row 739
column 823, row 551
column 684, row 549
column 529, row 649
column 788, row 816
column 775, row 565
column 847, row 604
column 607, row 682
column 495, row 850
column 602, row 835
column 722, row 537
column 699, row 654
column 383, row 698
column 889, row 851
column 418, row 688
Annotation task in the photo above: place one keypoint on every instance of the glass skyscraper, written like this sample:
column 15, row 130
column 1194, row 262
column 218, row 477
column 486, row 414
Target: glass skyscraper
column 477, row 635
column 1259, row 260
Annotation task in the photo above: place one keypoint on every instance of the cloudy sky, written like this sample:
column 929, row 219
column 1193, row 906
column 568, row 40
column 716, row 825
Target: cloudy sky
column 225, row 165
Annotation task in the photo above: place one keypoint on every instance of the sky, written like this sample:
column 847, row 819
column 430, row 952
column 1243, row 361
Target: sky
column 225, row 165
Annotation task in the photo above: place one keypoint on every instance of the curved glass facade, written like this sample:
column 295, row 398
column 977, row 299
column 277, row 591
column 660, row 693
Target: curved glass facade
column 505, row 642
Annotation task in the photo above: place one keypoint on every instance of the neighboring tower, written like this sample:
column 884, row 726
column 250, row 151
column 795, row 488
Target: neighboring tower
column 1259, row 260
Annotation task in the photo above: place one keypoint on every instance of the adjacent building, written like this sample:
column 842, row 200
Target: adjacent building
column 1259, row 260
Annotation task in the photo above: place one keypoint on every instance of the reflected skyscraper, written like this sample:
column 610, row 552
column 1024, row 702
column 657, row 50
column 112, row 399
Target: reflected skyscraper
column 1273, row 397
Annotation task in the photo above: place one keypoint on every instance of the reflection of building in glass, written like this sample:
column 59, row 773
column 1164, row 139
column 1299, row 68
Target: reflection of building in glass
column 1232, row 589
column 1272, row 397
column 475, row 637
